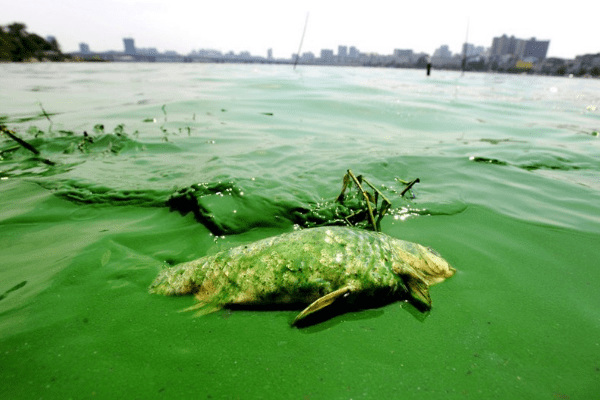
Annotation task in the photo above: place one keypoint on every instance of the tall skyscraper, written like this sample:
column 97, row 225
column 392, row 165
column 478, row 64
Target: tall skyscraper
column 519, row 48
column 503, row 45
column 84, row 48
column 532, row 48
column 129, row 46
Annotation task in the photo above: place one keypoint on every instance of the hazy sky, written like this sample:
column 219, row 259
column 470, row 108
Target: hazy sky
column 370, row 25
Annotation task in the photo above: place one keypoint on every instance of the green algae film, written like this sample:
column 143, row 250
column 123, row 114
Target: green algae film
column 518, row 319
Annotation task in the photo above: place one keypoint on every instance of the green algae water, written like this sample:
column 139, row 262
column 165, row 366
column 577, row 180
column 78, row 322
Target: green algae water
column 152, row 165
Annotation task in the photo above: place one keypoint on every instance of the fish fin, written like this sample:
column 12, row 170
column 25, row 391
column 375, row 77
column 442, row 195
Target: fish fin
column 202, row 308
column 321, row 303
column 419, row 291
column 208, row 309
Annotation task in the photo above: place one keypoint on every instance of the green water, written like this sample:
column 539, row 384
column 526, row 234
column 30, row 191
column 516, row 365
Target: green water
column 509, row 195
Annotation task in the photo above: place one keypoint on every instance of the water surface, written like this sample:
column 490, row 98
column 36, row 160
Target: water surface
column 509, row 195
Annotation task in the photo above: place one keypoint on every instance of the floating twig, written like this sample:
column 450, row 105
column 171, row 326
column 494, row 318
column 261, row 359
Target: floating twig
column 409, row 185
column 379, row 210
column 377, row 204
column 366, row 196
column 45, row 113
column 24, row 144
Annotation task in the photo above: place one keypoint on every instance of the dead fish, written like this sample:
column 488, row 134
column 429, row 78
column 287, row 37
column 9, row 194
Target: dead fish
column 314, row 267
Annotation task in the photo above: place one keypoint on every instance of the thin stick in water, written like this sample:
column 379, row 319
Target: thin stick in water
column 24, row 144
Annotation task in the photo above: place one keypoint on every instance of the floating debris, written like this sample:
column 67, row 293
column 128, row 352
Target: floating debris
column 487, row 160
column 371, row 207
column 24, row 144
column 12, row 289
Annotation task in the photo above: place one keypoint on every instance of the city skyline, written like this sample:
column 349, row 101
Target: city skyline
column 240, row 26
column 518, row 48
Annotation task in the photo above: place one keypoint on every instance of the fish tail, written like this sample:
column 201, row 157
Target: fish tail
column 174, row 281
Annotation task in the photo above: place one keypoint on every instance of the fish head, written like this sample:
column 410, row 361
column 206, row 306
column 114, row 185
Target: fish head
column 433, row 266
column 420, row 267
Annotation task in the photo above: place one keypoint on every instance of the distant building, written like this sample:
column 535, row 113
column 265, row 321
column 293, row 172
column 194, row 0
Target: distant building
column 519, row 48
column 53, row 43
column 307, row 57
column 354, row 53
column 129, row 46
column 244, row 55
column 442, row 52
column 150, row 51
column 84, row 48
column 443, row 58
column 527, row 49
column 469, row 50
column 342, row 52
column 403, row 56
column 209, row 53
column 270, row 54
column 327, row 56
column 503, row 45
column 403, row 53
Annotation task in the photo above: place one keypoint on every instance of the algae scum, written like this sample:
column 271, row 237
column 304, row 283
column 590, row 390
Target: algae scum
column 140, row 169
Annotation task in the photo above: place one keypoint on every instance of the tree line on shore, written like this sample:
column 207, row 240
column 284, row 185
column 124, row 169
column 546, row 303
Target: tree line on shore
column 16, row 44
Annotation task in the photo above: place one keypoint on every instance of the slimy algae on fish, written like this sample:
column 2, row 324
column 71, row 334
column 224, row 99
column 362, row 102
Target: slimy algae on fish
column 316, row 267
